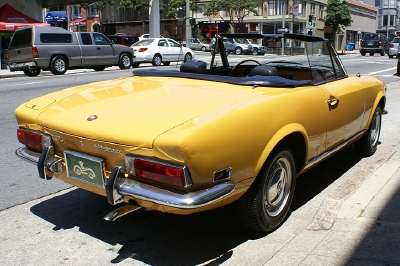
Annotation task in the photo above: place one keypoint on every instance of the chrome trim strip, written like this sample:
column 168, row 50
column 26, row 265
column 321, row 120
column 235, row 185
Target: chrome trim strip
column 331, row 151
column 190, row 200
column 28, row 155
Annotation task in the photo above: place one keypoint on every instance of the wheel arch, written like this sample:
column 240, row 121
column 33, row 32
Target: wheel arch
column 293, row 135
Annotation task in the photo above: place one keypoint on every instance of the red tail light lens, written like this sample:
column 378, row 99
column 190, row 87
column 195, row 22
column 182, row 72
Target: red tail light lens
column 35, row 52
column 159, row 172
column 142, row 49
column 32, row 139
column 391, row 45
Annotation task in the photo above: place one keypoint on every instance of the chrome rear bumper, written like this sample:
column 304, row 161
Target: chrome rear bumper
column 117, row 186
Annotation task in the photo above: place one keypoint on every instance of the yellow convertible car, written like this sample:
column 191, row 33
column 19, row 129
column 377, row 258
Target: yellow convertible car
column 207, row 134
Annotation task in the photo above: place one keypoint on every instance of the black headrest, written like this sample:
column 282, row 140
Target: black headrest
column 198, row 67
column 264, row 71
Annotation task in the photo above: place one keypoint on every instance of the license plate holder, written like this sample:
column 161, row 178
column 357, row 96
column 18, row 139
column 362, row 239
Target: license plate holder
column 85, row 168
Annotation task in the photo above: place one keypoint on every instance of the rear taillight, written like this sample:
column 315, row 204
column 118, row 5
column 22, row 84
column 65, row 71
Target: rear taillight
column 380, row 43
column 391, row 45
column 158, row 171
column 142, row 49
column 33, row 139
column 35, row 52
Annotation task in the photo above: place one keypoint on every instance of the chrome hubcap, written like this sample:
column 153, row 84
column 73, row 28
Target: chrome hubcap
column 59, row 65
column 277, row 187
column 375, row 128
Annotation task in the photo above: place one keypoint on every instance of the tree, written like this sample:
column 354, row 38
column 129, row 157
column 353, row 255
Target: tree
column 139, row 5
column 237, row 9
column 175, row 6
column 337, row 14
column 99, row 5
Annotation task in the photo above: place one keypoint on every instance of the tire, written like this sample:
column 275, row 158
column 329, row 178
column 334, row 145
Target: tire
column 390, row 56
column 398, row 67
column 125, row 61
column 255, row 51
column 166, row 63
column 32, row 72
column 99, row 68
column 371, row 54
column 135, row 65
column 188, row 57
column 157, row 60
column 58, row 65
column 203, row 48
column 238, row 50
column 382, row 53
column 363, row 53
column 264, row 206
column 368, row 143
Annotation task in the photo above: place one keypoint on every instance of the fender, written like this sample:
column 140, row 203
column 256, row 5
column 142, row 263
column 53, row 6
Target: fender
column 278, row 136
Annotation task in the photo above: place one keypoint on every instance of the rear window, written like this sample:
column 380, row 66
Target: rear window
column 371, row 37
column 21, row 38
column 55, row 38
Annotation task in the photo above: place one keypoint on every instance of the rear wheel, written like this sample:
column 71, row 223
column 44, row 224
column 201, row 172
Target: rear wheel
column 157, row 60
column 363, row 53
column 135, row 65
column 368, row 143
column 125, row 61
column 32, row 72
column 58, row 65
column 188, row 57
column 203, row 48
column 382, row 53
column 390, row 56
column 99, row 68
column 371, row 54
column 265, row 204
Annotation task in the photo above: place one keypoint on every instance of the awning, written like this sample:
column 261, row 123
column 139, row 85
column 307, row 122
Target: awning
column 12, row 19
column 53, row 17
column 79, row 21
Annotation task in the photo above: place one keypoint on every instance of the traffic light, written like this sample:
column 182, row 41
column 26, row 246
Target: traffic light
column 310, row 17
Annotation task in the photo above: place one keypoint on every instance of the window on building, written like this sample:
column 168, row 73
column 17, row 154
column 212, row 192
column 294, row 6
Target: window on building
column 321, row 12
column 303, row 8
column 312, row 11
column 76, row 12
column 92, row 12
column 275, row 7
column 385, row 20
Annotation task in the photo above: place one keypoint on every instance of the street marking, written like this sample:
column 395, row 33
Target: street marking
column 20, row 84
column 380, row 71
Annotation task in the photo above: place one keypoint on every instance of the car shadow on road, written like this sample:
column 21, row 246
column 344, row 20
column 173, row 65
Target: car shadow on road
column 165, row 239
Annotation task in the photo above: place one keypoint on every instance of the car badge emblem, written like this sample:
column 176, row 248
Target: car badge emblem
column 92, row 117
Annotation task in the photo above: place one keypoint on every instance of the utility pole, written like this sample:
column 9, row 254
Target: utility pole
column 187, row 23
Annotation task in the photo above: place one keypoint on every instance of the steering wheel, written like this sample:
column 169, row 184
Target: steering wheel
column 241, row 62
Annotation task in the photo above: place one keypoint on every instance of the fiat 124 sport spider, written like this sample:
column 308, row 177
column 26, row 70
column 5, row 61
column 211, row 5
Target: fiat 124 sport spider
column 207, row 134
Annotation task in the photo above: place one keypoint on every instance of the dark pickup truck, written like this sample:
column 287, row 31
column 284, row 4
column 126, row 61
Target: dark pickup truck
column 37, row 48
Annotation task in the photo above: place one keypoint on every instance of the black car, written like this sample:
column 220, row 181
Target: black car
column 374, row 43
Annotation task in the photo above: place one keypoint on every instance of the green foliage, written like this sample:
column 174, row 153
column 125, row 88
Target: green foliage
column 237, row 9
column 338, row 13
column 175, row 5
column 139, row 5
column 100, row 5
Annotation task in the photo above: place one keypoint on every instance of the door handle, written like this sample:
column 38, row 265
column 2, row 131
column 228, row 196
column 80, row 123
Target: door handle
column 333, row 101
column 98, row 48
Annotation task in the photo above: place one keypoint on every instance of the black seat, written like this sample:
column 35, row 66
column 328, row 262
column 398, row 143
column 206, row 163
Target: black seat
column 264, row 71
column 198, row 67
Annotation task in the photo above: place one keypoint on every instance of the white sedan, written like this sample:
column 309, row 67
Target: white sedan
column 160, row 50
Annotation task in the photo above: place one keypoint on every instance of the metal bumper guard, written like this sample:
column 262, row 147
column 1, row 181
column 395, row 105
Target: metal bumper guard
column 118, row 186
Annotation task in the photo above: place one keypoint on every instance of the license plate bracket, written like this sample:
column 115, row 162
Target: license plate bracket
column 85, row 168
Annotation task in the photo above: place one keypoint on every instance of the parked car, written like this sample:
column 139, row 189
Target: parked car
column 374, row 43
column 256, row 48
column 237, row 46
column 398, row 60
column 206, row 135
column 123, row 39
column 393, row 46
column 160, row 50
column 35, row 48
column 196, row 44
